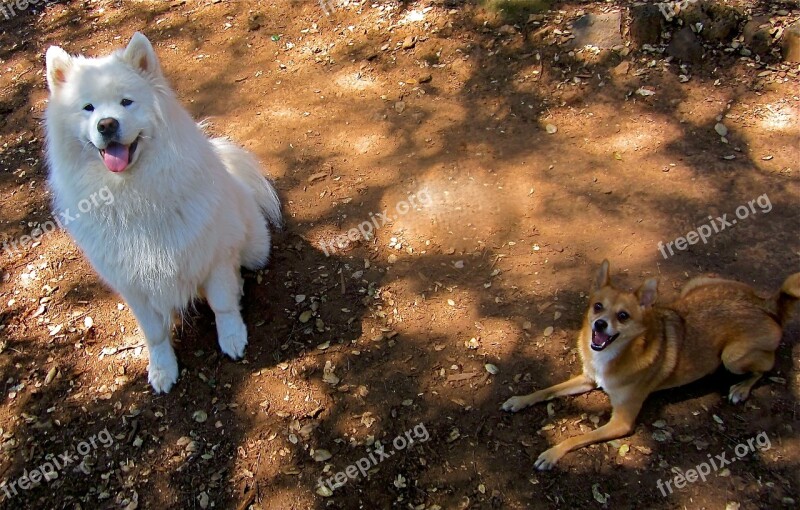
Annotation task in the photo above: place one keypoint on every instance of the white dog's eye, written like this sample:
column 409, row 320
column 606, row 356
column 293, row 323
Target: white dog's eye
column 89, row 107
column 126, row 102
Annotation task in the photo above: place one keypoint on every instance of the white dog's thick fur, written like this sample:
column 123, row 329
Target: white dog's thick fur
column 187, row 211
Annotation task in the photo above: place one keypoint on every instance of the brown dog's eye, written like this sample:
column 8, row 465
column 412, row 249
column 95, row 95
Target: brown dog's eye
column 598, row 307
column 623, row 316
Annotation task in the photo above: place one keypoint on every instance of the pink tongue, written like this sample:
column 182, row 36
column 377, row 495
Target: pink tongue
column 116, row 157
column 599, row 338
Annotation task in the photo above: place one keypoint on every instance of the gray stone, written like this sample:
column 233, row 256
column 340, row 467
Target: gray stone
column 694, row 13
column 757, row 36
column 646, row 24
column 600, row 30
column 685, row 46
column 724, row 22
column 719, row 21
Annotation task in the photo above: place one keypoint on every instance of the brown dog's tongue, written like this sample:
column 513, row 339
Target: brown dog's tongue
column 116, row 157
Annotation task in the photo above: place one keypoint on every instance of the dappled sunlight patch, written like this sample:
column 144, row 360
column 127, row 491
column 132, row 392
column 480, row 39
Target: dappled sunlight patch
column 464, row 208
column 778, row 116
column 284, row 112
column 632, row 140
column 364, row 144
column 354, row 81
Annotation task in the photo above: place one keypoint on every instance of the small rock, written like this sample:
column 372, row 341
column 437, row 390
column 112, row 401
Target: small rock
column 622, row 68
column 324, row 491
column 400, row 106
column 507, row 30
column 200, row 416
column 492, row 369
column 661, row 436
column 321, row 455
column 551, row 129
column 409, row 42
column 721, row 129
column 548, row 330
column 328, row 376
column 51, row 374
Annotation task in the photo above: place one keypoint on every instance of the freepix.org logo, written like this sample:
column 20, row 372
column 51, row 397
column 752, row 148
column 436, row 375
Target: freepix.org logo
column 12, row 9
column 101, row 197
column 53, row 464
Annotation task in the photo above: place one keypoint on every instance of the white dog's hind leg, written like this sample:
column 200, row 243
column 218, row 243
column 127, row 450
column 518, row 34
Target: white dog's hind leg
column 223, row 289
column 162, row 370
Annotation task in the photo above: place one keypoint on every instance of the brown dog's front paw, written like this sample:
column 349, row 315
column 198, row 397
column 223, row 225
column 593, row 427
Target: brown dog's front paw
column 739, row 392
column 515, row 404
column 548, row 459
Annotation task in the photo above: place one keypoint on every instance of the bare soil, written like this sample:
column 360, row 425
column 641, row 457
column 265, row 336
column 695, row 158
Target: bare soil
column 351, row 112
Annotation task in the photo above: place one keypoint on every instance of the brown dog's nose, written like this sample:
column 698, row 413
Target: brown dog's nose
column 108, row 126
column 600, row 325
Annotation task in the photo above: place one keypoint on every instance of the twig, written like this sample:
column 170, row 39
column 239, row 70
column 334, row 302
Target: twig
column 250, row 499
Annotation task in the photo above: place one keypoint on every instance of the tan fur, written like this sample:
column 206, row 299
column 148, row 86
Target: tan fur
column 714, row 322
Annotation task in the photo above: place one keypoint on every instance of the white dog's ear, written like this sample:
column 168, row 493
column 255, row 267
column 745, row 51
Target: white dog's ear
column 141, row 55
column 58, row 64
column 647, row 293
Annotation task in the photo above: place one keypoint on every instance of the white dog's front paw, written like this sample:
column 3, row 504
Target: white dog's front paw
column 515, row 404
column 162, row 372
column 232, row 335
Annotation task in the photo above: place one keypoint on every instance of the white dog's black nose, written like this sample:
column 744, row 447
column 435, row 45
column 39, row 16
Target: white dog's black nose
column 108, row 127
column 600, row 325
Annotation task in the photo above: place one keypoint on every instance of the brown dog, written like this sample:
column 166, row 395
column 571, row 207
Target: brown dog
column 631, row 348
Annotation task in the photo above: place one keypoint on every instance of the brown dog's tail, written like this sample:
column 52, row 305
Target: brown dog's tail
column 787, row 297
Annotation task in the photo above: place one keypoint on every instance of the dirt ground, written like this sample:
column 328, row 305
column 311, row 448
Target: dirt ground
column 439, row 115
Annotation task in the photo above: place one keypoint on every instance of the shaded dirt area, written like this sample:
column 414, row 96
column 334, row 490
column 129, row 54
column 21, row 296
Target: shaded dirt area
column 443, row 106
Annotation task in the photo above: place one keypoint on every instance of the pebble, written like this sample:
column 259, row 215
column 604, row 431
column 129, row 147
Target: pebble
column 721, row 129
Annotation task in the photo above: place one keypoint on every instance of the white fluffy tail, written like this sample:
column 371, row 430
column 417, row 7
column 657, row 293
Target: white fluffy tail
column 242, row 165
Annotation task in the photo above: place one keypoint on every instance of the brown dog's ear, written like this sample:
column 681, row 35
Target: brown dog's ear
column 601, row 280
column 647, row 293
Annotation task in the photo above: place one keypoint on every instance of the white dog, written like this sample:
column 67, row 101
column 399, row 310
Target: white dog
column 187, row 211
